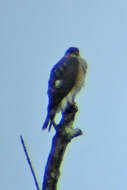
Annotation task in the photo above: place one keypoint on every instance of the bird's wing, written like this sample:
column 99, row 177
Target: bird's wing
column 62, row 80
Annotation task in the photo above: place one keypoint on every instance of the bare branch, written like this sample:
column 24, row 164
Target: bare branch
column 29, row 163
column 64, row 134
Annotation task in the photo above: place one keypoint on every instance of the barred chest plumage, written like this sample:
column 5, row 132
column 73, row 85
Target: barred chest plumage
column 80, row 81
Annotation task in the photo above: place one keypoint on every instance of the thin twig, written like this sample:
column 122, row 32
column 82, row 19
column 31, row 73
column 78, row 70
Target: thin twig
column 29, row 163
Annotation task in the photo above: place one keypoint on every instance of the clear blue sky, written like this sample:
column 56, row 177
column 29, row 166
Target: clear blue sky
column 33, row 37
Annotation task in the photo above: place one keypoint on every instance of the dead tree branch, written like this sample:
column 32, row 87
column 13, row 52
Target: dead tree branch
column 64, row 134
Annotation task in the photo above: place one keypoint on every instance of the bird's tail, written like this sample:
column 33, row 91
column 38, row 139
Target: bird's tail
column 48, row 122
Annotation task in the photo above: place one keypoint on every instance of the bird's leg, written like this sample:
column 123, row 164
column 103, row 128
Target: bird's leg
column 74, row 105
column 71, row 109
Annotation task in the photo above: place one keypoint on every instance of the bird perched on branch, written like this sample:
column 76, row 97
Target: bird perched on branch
column 66, row 80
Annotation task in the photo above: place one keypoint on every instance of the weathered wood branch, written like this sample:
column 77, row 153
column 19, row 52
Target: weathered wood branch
column 64, row 134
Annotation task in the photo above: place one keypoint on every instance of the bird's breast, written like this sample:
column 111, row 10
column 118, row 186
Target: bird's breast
column 80, row 79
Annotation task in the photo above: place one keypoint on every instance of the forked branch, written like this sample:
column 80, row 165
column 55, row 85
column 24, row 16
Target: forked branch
column 64, row 134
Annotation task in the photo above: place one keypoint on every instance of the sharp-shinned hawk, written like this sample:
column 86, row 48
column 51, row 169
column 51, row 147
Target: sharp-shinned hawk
column 66, row 79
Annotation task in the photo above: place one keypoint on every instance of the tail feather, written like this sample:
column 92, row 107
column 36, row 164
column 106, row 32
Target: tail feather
column 50, row 125
column 46, row 123
column 52, row 122
column 49, row 121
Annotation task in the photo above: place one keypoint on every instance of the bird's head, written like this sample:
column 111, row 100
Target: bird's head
column 72, row 51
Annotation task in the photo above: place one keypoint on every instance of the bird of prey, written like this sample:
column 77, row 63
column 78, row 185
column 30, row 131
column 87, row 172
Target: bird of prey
column 66, row 79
